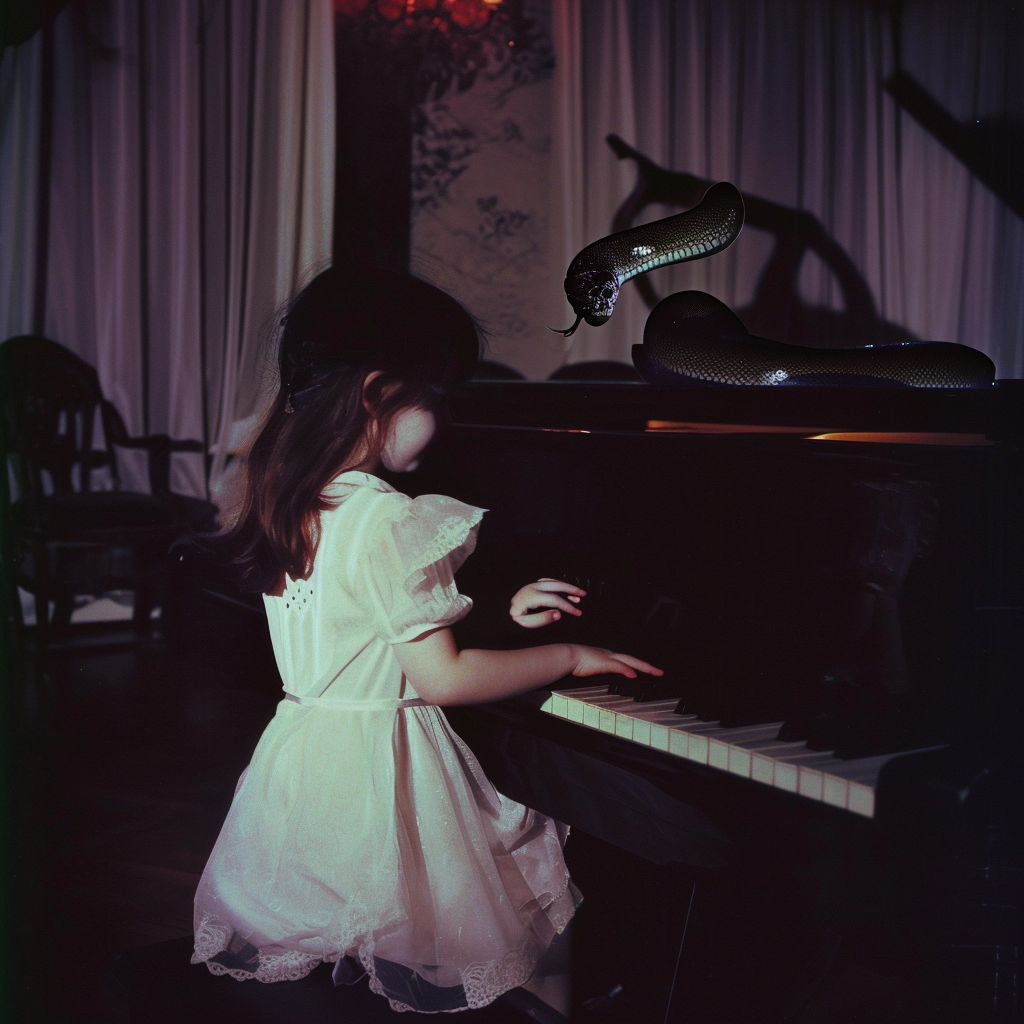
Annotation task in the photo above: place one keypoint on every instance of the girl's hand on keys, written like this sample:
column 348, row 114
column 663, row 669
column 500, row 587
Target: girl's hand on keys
column 593, row 661
column 545, row 593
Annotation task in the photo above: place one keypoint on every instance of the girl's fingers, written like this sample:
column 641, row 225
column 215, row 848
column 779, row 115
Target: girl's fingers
column 537, row 619
column 524, row 603
column 622, row 669
column 546, row 583
column 637, row 663
column 553, row 601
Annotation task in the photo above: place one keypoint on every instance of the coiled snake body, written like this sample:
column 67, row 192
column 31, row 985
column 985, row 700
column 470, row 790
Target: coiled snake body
column 692, row 337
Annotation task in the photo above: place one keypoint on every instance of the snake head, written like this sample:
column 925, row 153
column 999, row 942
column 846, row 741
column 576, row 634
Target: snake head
column 592, row 294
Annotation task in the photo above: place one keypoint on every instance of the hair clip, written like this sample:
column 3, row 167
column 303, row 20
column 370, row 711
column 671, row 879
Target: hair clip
column 289, row 406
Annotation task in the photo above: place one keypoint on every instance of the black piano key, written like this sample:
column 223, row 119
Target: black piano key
column 796, row 729
column 649, row 688
column 687, row 704
column 824, row 732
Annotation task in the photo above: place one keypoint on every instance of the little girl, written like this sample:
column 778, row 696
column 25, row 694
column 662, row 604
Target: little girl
column 364, row 832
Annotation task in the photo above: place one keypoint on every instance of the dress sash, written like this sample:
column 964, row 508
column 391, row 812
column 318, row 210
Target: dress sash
column 367, row 704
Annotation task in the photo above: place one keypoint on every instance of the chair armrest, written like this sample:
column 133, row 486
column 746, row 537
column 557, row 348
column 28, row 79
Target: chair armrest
column 160, row 448
column 160, row 441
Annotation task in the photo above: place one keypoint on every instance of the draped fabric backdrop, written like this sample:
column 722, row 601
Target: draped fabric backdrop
column 189, row 192
column 785, row 98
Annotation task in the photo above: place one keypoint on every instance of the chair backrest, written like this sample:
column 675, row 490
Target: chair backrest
column 49, row 399
column 596, row 370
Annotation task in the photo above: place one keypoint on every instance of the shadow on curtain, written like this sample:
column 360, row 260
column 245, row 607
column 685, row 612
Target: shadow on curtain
column 788, row 101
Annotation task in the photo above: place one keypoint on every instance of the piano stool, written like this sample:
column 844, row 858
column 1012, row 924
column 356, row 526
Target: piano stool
column 158, row 985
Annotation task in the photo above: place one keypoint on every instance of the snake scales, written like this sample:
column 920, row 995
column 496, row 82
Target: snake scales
column 693, row 337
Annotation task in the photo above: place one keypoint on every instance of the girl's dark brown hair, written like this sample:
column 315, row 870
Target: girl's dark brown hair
column 348, row 322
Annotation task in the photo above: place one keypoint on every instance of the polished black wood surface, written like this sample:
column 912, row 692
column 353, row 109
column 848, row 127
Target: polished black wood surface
column 998, row 410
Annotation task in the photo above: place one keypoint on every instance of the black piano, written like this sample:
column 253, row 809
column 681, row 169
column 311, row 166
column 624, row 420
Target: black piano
column 817, row 811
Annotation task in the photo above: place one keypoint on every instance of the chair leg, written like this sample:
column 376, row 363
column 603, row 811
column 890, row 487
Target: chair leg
column 42, row 624
column 143, row 603
column 34, row 678
column 62, row 611
column 16, row 618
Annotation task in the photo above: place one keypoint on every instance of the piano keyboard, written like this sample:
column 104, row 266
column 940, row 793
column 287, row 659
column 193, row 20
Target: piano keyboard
column 753, row 752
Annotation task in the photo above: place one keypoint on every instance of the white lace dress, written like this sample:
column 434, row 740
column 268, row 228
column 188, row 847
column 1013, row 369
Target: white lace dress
column 363, row 831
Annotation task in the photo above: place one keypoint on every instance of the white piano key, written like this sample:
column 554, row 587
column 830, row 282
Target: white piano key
column 678, row 743
column 764, row 758
column 718, row 755
column 776, row 764
column 739, row 762
column 786, row 776
column 861, row 800
column 659, row 736
column 811, row 779
column 642, row 731
column 697, row 733
column 728, row 748
column 789, row 767
column 582, row 693
column 835, row 791
column 762, row 769
column 655, row 723
column 697, row 747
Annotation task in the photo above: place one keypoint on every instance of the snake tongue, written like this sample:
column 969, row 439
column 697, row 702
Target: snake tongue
column 568, row 330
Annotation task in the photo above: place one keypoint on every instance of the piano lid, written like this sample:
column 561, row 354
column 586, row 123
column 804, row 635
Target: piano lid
column 995, row 413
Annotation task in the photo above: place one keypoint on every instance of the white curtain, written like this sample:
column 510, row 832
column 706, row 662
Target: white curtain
column 20, row 68
column 786, row 99
column 190, row 194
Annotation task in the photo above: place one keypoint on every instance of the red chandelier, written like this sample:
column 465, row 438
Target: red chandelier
column 443, row 15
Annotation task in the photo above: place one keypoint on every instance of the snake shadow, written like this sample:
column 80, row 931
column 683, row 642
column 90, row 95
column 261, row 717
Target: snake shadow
column 777, row 310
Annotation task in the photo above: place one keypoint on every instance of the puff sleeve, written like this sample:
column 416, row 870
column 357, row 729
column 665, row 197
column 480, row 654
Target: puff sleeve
column 410, row 562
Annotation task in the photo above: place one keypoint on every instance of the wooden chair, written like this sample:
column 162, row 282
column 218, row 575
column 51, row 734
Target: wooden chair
column 69, row 527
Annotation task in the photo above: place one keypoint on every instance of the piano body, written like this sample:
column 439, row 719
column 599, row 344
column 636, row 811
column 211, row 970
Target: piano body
column 823, row 793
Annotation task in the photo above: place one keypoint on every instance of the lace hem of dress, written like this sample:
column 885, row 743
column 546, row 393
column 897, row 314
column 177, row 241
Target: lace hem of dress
column 216, row 946
column 482, row 983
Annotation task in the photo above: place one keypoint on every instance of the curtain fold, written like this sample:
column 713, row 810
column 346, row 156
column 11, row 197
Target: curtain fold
column 190, row 194
column 786, row 99
column 20, row 96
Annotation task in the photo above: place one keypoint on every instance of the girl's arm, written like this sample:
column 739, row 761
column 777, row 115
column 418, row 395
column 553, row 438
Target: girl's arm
column 442, row 674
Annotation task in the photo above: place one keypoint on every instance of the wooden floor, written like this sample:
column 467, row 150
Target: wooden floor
column 124, row 768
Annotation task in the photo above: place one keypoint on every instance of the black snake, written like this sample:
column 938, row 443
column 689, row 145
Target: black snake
column 693, row 337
